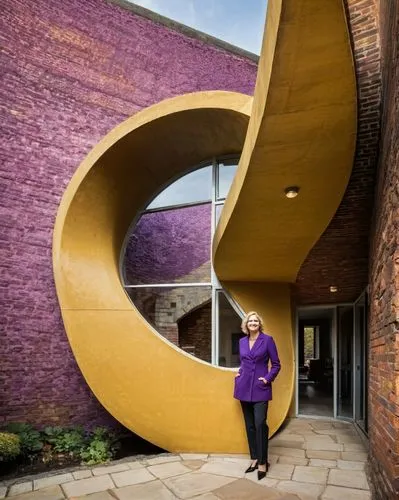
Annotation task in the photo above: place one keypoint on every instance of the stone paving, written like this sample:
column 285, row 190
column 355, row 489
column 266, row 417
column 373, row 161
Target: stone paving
column 310, row 459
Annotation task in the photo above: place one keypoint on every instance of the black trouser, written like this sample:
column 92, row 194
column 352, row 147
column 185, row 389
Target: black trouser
column 255, row 415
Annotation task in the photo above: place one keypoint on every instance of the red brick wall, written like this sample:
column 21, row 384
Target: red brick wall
column 340, row 257
column 384, row 277
column 195, row 330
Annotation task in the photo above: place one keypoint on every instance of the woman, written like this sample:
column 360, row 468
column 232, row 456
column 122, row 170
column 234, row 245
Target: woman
column 253, row 387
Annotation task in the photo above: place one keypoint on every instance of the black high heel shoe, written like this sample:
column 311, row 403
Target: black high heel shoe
column 251, row 468
column 262, row 473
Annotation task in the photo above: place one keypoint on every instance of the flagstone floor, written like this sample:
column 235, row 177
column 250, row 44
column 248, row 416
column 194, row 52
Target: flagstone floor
column 310, row 459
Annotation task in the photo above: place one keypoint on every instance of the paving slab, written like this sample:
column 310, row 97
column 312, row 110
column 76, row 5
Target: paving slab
column 135, row 465
column 338, row 493
column 287, row 443
column 293, row 460
column 129, row 477
column 52, row 480
column 50, row 493
column 287, row 435
column 109, row 469
column 82, row 474
column 193, row 464
column 345, row 464
column 316, row 475
column 245, row 490
column 194, row 456
column 305, row 491
column 348, row 439
column 321, row 424
column 287, row 452
column 354, row 447
column 318, row 462
column 168, row 469
column 324, row 454
column 280, row 471
column 323, row 445
column 266, row 481
column 87, row 486
column 163, row 460
column 195, row 483
column 206, row 496
column 154, row 490
column 354, row 456
column 224, row 468
column 103, row 495
column 349, row 478
column 23, row 487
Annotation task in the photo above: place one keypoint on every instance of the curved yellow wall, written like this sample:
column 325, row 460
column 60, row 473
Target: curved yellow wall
column 296, row 135
column 153, row 388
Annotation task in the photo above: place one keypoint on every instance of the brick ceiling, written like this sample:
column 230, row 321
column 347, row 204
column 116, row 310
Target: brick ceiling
column 341, row 256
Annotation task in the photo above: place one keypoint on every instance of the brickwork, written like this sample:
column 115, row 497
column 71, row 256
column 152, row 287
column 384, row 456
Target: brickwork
column 71, row 71
column 340, row 257
column 384, row 279
column 195, row 330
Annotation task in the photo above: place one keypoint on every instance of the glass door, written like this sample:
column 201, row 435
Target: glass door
column 361, row 362
column 345, row 351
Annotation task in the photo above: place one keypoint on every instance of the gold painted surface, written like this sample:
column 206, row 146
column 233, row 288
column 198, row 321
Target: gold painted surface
column 301, row 132
column 150, row 386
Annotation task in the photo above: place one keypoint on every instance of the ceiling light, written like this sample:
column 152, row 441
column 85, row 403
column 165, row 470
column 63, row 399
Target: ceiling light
column 333, row 289
column 291, row 192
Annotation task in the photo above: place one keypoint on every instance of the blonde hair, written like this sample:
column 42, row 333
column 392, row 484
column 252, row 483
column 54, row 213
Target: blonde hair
column 245, row 322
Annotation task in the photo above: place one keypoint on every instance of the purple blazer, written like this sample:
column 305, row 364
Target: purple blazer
column 255, row 364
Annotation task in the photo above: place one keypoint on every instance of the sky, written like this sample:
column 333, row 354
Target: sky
column 239, row 22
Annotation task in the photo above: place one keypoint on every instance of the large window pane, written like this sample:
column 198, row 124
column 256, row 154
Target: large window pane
column 192, row 188
column 229, row 333
column 226, row 173
column 182, row 315
column 170, row 246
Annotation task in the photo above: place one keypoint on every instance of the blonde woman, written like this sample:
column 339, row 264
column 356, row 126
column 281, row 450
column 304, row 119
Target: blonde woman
column 253, row 387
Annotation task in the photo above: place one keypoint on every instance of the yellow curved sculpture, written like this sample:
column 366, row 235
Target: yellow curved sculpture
column 150, row 386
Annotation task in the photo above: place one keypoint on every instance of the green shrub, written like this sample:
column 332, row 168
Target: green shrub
column 30, row 439
column 101, row 447
column 10, row 446
column 70, row 441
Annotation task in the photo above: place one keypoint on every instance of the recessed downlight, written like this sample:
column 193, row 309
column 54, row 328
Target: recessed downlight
column 291, row 191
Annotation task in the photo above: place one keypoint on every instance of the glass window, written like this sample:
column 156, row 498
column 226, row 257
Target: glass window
column 191, row 188
column 170, row 246
column 226, row 173
column 183, row 315
column 229, row 332
column 167, row 266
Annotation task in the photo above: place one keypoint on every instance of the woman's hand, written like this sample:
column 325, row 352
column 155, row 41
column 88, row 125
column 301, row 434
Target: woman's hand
column 263, row 380
column 238, row 374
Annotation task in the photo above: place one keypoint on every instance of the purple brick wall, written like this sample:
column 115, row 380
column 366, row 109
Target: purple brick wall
column 71, row 72
column 169, row 246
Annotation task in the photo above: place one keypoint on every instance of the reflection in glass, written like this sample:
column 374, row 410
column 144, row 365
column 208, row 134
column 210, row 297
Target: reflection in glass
column 229, row 333
column 345, row 361
column 193, row 187
column 227, row 171
column 182, row 315
column 170, row 246
column 361, row 372
column 218, row 211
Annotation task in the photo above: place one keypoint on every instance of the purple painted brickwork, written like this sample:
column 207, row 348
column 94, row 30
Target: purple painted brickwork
column 71, row 72
column 169, row 245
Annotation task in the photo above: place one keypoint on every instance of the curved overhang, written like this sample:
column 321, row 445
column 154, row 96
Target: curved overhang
column 302, row 133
